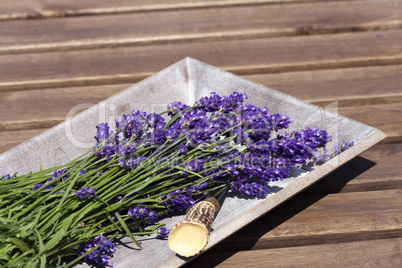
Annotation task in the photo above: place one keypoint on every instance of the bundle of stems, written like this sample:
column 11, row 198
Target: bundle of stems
column 141, row 172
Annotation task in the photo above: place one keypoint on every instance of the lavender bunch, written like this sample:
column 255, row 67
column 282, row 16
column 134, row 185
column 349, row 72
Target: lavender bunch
column 143, row 170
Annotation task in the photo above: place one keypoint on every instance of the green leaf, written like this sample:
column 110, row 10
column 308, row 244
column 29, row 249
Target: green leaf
column 68, row 190
column 41, row 254
column 125, row 227
column 61, row 233
column 19, row 243
column 155, row 227
column 188, row 171
column 3, row 257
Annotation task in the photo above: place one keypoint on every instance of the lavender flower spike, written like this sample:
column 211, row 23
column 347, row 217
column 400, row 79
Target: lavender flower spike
column 99, row 257
column 163, row 232
column 86, row 192
column 5, row 177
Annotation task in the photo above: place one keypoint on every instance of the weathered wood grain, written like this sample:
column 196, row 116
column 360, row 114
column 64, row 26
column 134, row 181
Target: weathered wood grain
column 37, row 9
column 191, row 25
column 374, row 253
column 130, row 64
column 323, row 219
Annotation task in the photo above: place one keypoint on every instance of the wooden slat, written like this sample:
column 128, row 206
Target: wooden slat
column 45, row 108
column 349, row 86
column 10, row 139
column 374, row 253
column 323, row 219
column 36, row 9
column 272, row 55
column 209, row 24
column 385, row 117
column 375, row 169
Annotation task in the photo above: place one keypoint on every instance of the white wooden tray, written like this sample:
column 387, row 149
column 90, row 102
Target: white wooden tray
column 187, row 81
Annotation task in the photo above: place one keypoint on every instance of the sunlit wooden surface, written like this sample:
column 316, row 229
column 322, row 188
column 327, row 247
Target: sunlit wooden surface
column 55, row 55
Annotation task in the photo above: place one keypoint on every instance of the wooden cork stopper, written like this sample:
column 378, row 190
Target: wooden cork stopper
column 190, row 236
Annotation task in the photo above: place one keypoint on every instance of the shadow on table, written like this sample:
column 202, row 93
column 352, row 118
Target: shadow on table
column 247, row 238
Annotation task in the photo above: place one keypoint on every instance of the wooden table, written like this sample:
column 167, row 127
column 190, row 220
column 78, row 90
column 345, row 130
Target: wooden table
column 55, row 55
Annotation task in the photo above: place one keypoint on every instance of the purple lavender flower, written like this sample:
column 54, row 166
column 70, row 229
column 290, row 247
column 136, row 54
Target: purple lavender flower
column 103, row 132
column 157, row 136
column 180, row 202
column 155, row 121
column 345, row 145
column 123, row 150
column 152, row 216
column 99, row 257
column 36, row 186
column 82, row 172
column 279, row 121
column 163, row 232
column 133, row 162
column 117, row 199
column 61, row 191
column 173, row 132
column 86, row 192
column 249, row 189
column 215, row 102
column 182, row 149
column 176, row 107
column 5, row 177
column 59, row 175
column 315, row 138
column 194, row 165
column 107, row 151
column 138, row 213
column 132, row 125
column 196, row 188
